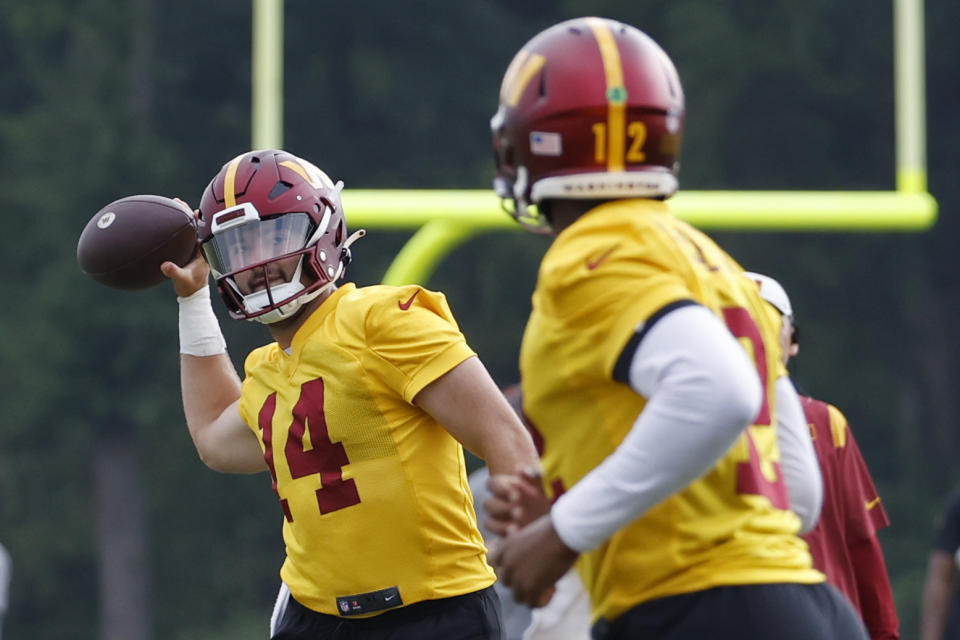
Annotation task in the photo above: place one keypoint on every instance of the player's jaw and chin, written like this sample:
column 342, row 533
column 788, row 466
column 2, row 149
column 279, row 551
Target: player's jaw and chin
column 271, row 274
column 269, row 289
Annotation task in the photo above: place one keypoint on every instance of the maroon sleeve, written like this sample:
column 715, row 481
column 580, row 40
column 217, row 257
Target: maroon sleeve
column 864, row 510
column 873, row 586
column 865, row 515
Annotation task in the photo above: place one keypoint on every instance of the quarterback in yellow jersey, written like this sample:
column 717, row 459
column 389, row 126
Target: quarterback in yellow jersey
column 359, row 411
column 674, row 448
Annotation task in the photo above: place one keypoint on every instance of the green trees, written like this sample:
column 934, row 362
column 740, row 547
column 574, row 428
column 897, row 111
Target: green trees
column 102, row 99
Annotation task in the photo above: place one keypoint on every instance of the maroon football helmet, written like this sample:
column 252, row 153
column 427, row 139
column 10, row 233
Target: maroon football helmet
column 272, row 228
column 589, row 108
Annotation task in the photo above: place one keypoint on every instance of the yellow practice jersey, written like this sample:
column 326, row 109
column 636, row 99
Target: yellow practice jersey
column 374, row 491
column 603, row 278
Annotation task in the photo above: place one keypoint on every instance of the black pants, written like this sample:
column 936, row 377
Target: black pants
column 473, row 616
column 752, row 612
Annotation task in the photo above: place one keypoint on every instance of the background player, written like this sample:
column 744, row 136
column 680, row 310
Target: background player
column 669, row 446
column 356, row 410
column 5, row 570
column 844, row 542
column 939, row 614
column 567, row 615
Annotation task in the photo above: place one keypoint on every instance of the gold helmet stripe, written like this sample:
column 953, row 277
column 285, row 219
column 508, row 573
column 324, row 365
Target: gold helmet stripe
column 616, row 94
column 316, row 178
column 229, row 183
column 293, row 166
column 522, row 68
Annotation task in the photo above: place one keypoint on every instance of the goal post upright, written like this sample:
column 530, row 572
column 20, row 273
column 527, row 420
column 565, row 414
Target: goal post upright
column 442, row 219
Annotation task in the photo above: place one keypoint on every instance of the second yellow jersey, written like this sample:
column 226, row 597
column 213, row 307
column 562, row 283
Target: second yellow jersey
column 603, row 278
column 374, row 491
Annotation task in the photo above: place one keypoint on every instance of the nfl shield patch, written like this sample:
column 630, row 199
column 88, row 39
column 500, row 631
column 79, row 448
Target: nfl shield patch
column 544, row 143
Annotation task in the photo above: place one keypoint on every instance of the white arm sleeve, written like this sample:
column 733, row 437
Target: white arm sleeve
column 702, row 390
column 798, row 459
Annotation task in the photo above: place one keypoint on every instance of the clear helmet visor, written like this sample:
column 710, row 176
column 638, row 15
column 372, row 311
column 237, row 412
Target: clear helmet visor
column 254, row 241
column 265, row 268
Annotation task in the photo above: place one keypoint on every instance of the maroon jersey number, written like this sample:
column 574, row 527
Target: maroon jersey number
column 323, row 456
column 741, row 325
column 556, row 484
column 750, row 477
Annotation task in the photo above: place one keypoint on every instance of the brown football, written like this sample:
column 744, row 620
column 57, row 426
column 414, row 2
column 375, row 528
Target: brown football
column 125, row 243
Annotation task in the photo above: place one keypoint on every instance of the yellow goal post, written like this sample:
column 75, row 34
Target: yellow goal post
column 442, row 219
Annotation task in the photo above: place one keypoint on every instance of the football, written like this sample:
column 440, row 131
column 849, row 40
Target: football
column 125, row 243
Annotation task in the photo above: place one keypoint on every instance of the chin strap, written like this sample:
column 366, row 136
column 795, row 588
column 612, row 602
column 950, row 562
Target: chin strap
column 294, row 305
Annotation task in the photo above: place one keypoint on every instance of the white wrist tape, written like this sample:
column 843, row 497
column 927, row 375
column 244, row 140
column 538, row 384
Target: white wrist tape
column 200, row 333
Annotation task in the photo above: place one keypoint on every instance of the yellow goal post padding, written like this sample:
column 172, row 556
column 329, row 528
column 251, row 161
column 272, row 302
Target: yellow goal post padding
column 445, row 218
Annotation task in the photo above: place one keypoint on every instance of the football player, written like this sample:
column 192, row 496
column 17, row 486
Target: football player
column 940, row 610
column 674, row 443
column 358, row 410
column 844, row 542
column 4, row 583
column 567, row 615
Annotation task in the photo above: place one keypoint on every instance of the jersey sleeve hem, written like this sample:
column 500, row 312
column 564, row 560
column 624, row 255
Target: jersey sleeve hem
column 443, row 362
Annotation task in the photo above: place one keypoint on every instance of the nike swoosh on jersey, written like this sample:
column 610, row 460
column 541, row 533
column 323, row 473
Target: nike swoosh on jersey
column 593, row 264
column 870, row 504
column 406, row 305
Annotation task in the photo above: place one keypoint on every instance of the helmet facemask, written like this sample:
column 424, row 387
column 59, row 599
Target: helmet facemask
column 267, row 268
column 511, row 182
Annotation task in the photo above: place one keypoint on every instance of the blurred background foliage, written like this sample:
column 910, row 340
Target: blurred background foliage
column 101, row 492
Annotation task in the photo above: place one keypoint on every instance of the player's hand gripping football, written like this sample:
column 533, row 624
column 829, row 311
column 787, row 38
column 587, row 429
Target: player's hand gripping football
column 191, row 277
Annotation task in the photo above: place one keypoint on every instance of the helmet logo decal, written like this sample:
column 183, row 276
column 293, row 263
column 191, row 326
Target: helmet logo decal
column 521, row 70
column 106, row 220
column 543, row 143
column 616, row 93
